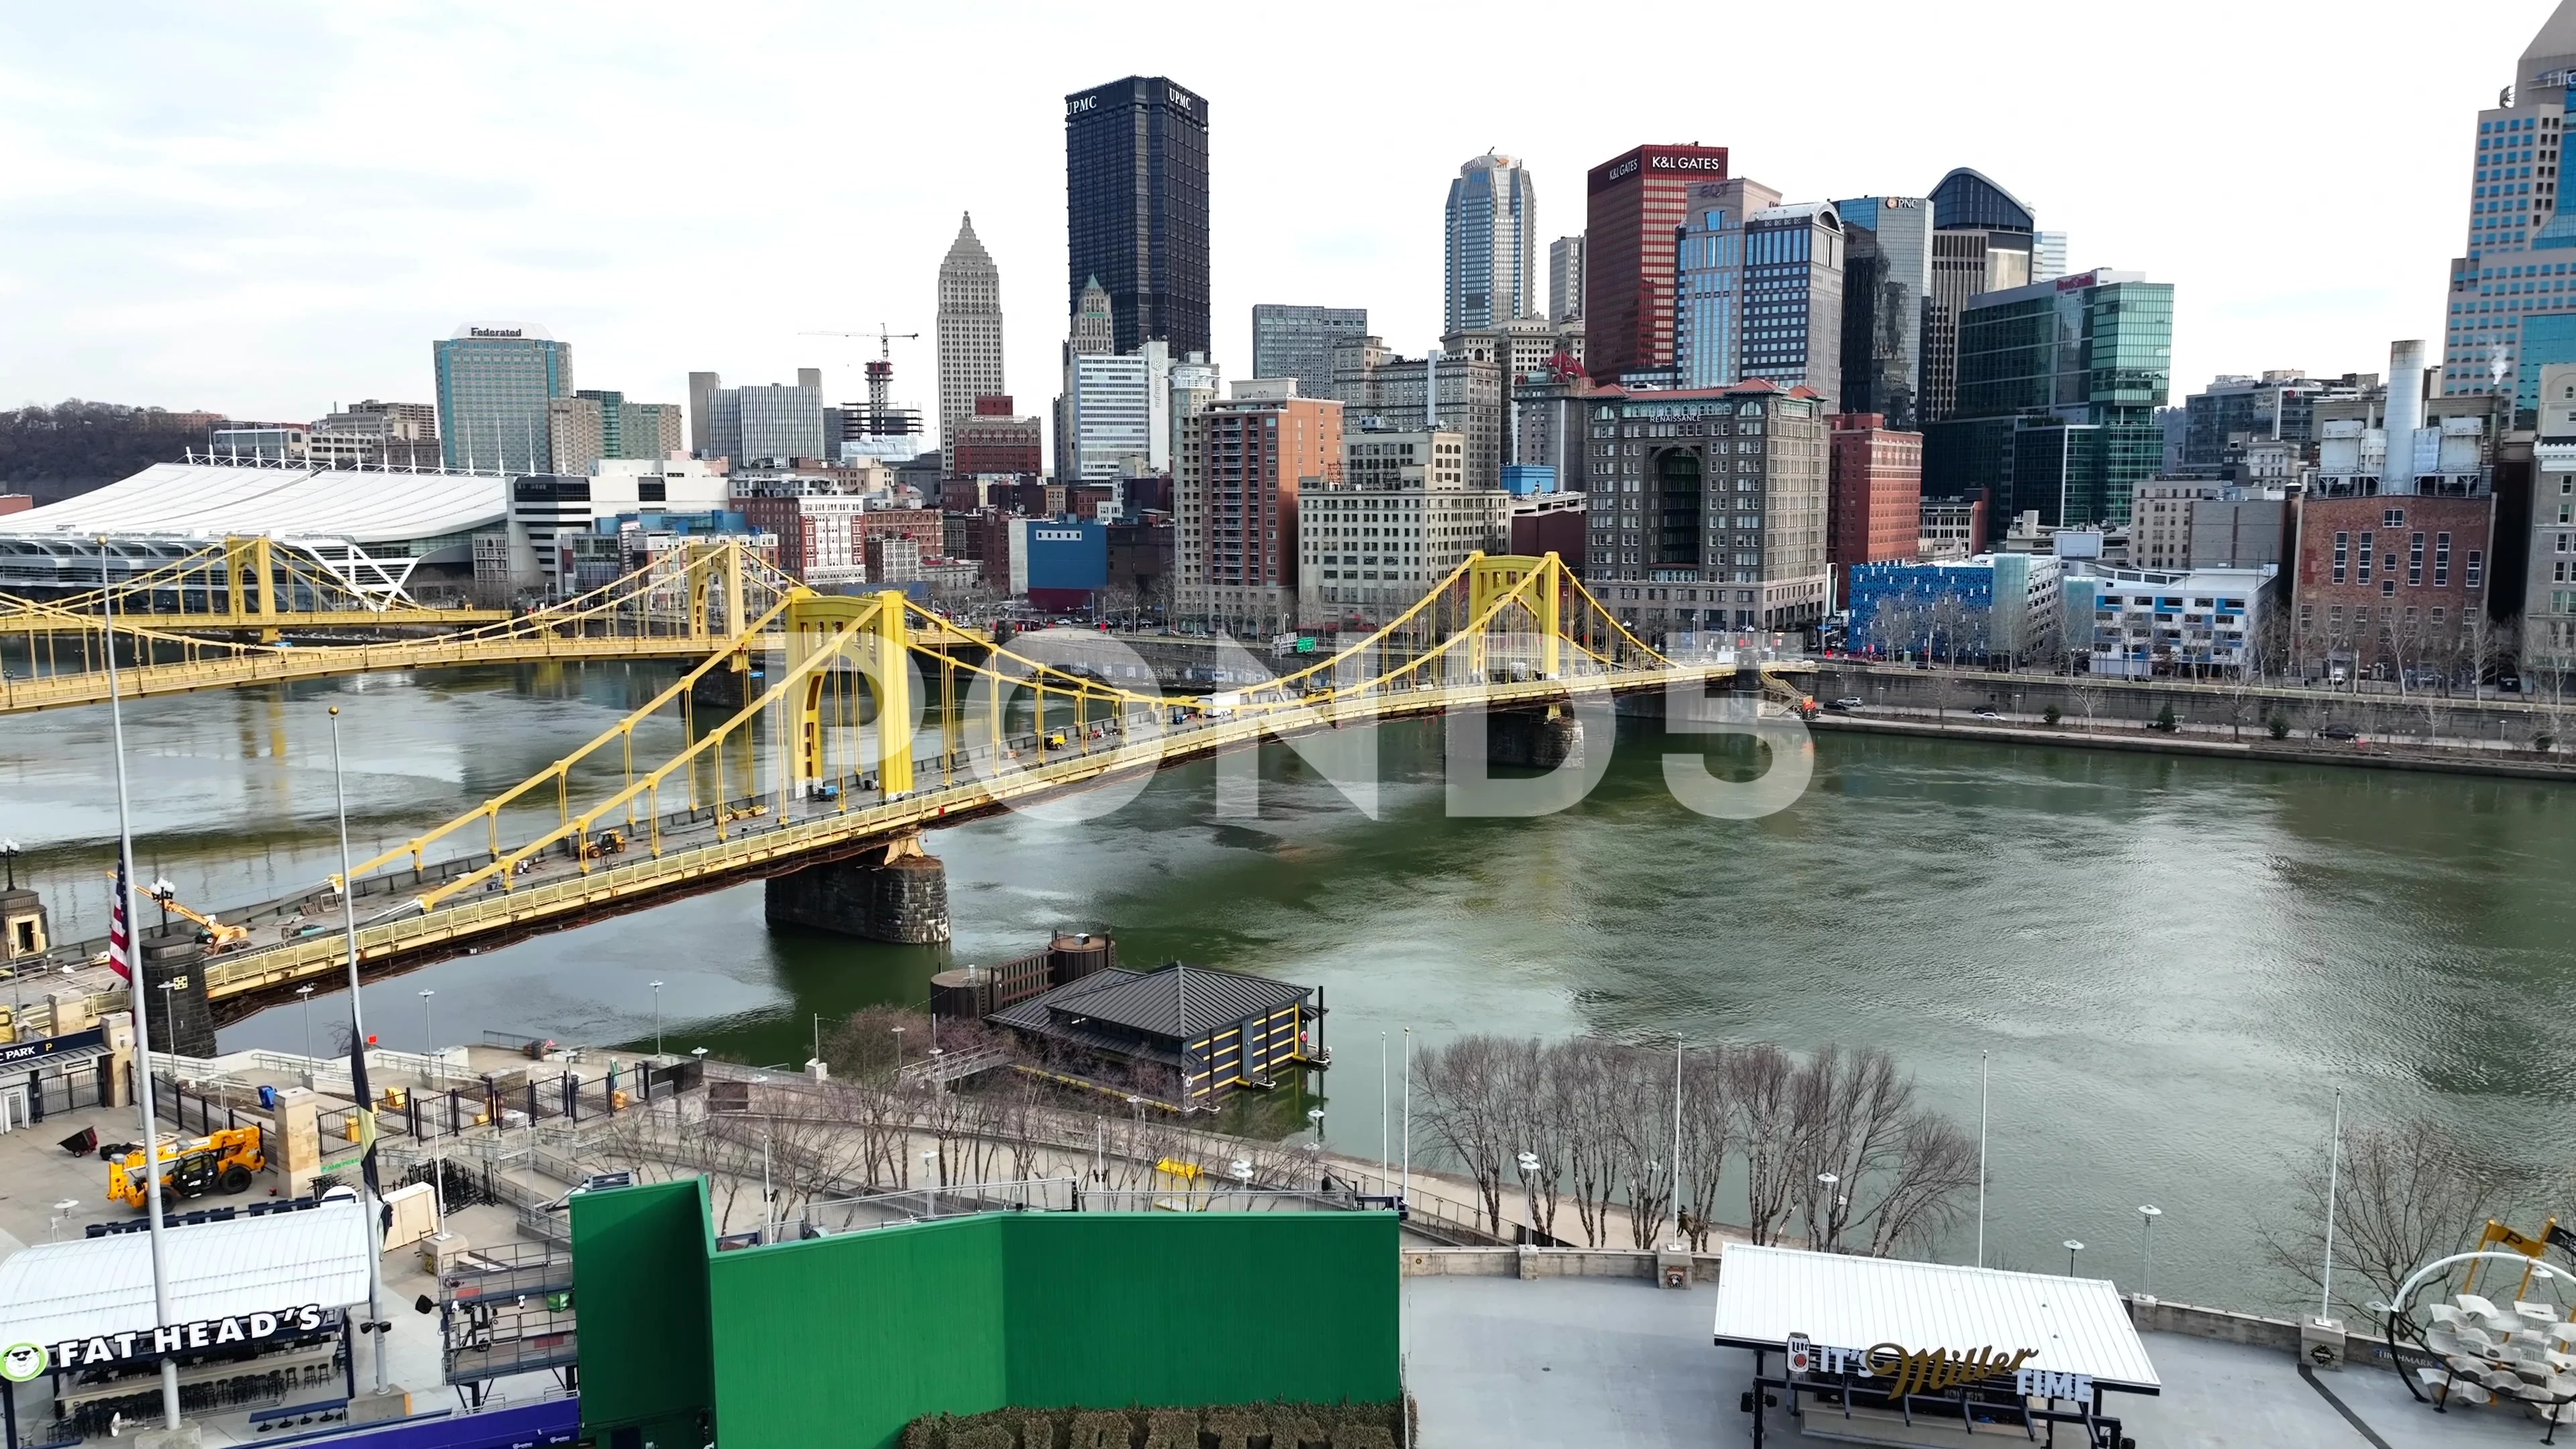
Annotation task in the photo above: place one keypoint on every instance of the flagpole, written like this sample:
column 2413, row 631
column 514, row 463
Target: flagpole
column 124, row 906
column 358, row 1075
column 1981, row 1159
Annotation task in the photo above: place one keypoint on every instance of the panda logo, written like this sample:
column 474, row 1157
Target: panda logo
column 22, row 1362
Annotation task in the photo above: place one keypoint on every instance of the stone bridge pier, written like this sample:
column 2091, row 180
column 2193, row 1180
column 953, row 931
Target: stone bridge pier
column 896, row 893
column 1536, row 739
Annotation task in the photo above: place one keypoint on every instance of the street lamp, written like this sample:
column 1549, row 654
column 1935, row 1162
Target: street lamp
column 162, row 894
column 2072, row 1248
column 429, row 1038
column 170, row 1014
column 2147, row 1215
column 1831, row 1203
column 1529, row 1165
column 898, row 1054
column 305, row 993
column 657, row 1019
column 9, row 853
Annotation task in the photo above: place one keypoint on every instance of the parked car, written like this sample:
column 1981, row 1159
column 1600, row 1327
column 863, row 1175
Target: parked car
column 1847, row 705
column 1988, row 714
column 2343, row 733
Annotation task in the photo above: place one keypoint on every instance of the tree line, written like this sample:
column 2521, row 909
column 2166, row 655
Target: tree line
column 1833, row 1149
column 74, row 446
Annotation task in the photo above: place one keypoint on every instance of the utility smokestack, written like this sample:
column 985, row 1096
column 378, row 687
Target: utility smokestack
column 2405, row 415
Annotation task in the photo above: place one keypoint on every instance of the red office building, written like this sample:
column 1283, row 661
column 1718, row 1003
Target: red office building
column 1633, row 204
column 992, row 440
column 1874, row 499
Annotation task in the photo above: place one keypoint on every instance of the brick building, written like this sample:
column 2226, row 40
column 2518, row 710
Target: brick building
column 993, row 440
column 1235, row 506
column 1633, row 204
column 1874, row 509
column 823, row 540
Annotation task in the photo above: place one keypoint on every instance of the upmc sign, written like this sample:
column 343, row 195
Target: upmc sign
column 1679, row 163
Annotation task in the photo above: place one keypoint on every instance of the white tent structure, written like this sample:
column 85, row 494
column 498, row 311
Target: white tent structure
column 369, row 528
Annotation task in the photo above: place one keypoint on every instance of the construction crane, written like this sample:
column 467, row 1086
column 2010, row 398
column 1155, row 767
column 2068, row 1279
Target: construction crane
column 880, row 372
column 217, row 936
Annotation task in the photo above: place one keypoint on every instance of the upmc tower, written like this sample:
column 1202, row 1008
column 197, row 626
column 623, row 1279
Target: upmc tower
column 1136, row 209
column 1633, row 205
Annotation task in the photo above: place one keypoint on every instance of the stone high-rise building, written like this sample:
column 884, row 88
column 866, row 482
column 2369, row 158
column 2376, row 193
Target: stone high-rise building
column 1708, row 507
column 970, row 330
column 1565, row 279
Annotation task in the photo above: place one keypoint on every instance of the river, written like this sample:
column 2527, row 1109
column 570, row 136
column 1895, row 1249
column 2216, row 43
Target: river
column 2171, row 963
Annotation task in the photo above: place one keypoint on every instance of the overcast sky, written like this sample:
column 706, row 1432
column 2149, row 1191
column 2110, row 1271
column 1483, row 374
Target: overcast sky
column 267, row 209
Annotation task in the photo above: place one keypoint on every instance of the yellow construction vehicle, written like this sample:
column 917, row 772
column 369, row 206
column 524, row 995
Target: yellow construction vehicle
column 217, row 936
column 222, row 1162
column 606, row 842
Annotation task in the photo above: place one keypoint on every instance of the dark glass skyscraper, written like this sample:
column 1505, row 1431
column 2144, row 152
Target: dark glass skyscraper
column 1136, row 208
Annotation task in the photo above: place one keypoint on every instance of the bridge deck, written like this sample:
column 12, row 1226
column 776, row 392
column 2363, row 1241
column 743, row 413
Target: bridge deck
column 562, row 892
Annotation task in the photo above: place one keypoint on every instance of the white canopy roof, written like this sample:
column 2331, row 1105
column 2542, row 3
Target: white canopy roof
column 210, row 500
column 2077, row 1325
column 54, row 1291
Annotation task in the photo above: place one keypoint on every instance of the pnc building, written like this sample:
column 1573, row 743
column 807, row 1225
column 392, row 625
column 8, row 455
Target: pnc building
column 1136, row 209
column 1632, row 205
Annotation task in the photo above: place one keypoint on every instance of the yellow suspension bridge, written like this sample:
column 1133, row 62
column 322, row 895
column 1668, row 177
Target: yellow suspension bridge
column 234, row 613
column 881, row 719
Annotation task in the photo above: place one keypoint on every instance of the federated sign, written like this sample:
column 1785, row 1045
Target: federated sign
column 1937, row 1370
column 102, row 1350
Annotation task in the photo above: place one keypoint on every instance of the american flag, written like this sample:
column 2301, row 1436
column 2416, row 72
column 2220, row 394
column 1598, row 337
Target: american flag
column 119, row 950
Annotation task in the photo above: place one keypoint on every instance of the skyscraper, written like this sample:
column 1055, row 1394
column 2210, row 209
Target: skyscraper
column 2059, row 383
column 1565, row 279
column 1761, row 290
column 494, row 381
column 1887, row 280
column 1632, row 203
column 1290, row 341
column 2510, row 308
column 1136, row 208
column 1490, row 242
column 1981, row 242
column 969, row 328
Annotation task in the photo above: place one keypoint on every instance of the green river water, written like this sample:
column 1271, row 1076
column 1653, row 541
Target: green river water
column 2173, row 963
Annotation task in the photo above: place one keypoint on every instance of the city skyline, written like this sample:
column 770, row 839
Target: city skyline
column 170, row 251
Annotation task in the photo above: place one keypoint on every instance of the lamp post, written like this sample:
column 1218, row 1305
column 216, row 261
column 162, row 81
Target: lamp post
column 305, row 995
column 428, row 1036
column 2072, row 1248
column 657, row 1019
column 898, row 1056
column 357, row 1069
column 9, row 854
column 170, row 1015
column 1832, row 1227
column 2147, row 1215
column 1529, row 1164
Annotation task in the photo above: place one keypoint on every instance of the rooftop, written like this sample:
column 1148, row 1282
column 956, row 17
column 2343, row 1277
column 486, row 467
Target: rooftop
column 208, row 501
column 1150, row 1002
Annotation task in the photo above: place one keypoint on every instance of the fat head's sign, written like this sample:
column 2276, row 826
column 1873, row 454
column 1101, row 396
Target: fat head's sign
column 20, row 1362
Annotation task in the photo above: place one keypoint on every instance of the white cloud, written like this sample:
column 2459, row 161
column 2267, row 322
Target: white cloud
column 271, row 209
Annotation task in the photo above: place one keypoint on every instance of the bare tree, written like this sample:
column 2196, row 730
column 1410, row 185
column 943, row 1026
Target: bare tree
column 2407, row 1193
column 1588, row 1072
column 1538, row 1127
column 1464, row 1086
column 1766, row 1117
column 1709, row 1135
column 1926, row 1191
column 1852, row 1111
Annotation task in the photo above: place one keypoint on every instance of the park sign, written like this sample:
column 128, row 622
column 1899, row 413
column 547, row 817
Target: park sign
column 1937, row 1370
column 20, row 1362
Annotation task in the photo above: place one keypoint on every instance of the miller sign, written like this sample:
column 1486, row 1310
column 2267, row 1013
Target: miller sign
column 1937, row 1370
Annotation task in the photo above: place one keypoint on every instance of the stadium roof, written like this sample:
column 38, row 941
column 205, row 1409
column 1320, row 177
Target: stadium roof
column 211, row 500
